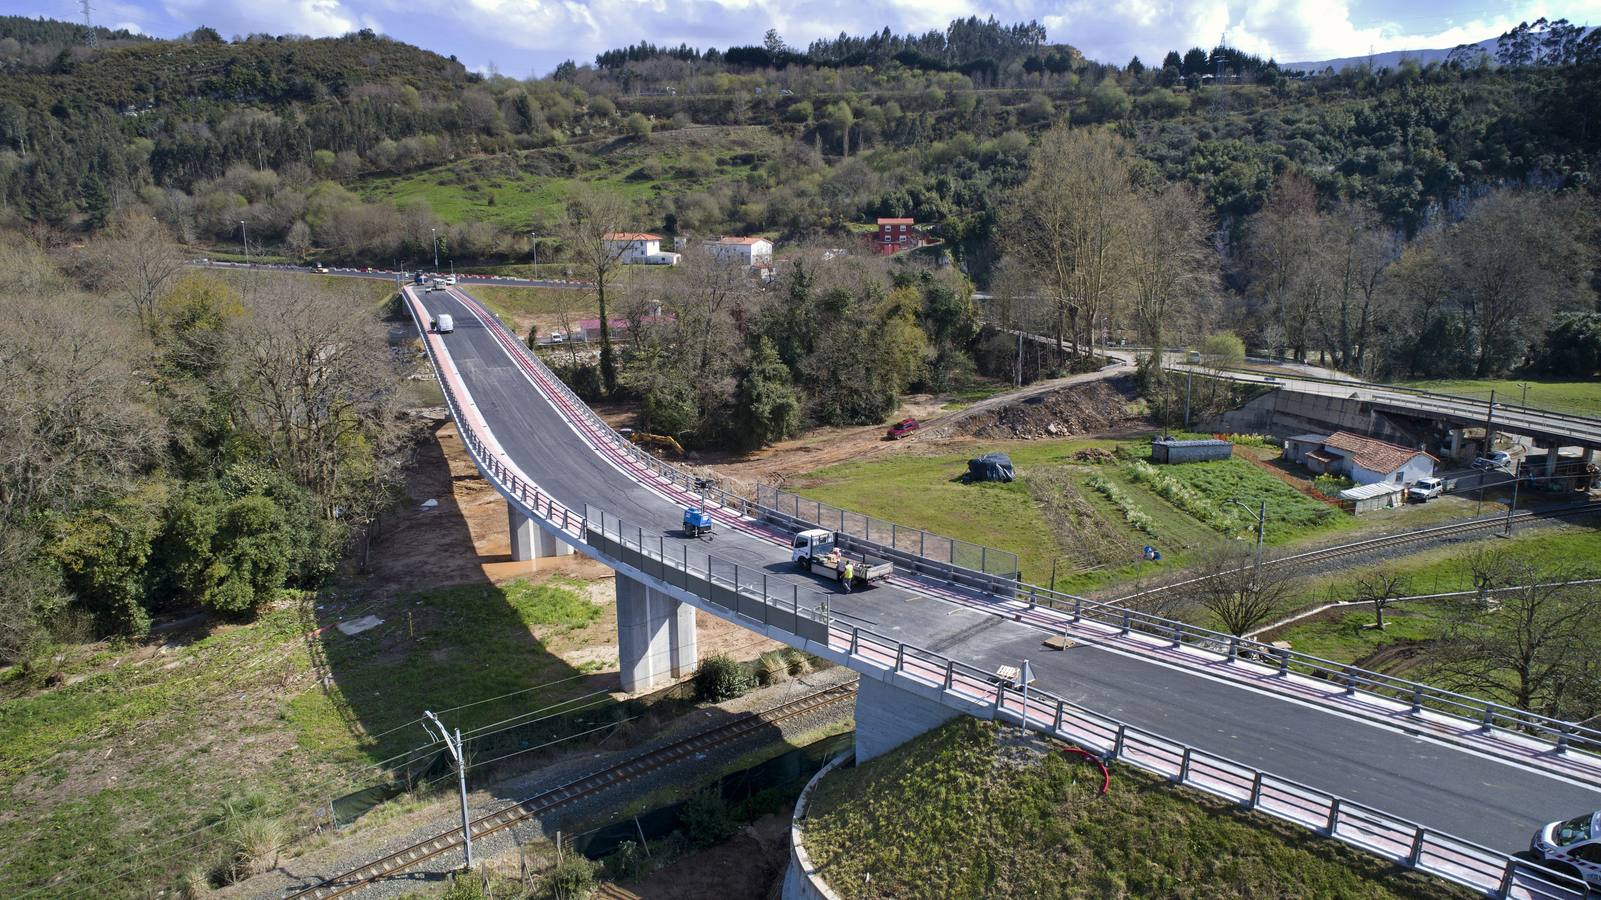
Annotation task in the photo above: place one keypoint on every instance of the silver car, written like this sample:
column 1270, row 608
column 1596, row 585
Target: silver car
column 1572, row 847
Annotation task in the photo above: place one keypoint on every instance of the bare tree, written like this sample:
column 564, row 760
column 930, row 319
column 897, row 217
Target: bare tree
column 1238, row 594
column 1171, row 261
column 137, row 260
column 1380, row 588
column 316, row 383
column 1066, row 223
column 1358, row 249
column 591, row 222
column 1281, row 246
column 1537, row 644
column 1516, row 258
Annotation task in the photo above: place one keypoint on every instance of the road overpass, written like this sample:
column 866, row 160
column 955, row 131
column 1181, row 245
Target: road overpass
column 1409, row 782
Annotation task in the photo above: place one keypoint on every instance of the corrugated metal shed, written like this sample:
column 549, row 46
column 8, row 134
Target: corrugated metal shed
column 1171, row 451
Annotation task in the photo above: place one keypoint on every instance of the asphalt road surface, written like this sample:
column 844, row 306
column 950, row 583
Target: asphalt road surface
column 1442, row 786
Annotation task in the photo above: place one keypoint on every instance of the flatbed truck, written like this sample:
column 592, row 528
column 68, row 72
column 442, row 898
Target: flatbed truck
column 818, row 551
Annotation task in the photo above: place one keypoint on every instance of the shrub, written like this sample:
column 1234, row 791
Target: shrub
column 570, row 879
column 1181, row 495
column 627, row 863
column 721, row 678
column 799, row 663
column 771, row 668
column 465, row 886
column 1330, row 486
column 707, row 820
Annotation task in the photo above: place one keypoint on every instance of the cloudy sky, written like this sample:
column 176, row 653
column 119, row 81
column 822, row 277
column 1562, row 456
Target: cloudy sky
column 523, row 37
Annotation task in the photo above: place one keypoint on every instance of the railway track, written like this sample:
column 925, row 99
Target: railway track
column 577, row 789
column 1358, row 548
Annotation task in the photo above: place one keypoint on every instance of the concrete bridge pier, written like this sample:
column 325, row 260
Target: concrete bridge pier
column 888, row 716
column 1456, row 443
column 529, row 540
column 656, row 641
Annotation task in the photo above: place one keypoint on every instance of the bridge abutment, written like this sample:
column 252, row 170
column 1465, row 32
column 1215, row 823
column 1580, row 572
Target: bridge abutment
column 887, row 717
column 656, row 640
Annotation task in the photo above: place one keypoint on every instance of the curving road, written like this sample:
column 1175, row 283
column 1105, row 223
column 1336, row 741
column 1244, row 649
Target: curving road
column 1488, row 790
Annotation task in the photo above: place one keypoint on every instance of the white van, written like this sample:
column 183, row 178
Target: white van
column 444, row 324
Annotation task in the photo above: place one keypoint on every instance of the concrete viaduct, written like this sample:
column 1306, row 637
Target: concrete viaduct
column 929, row 643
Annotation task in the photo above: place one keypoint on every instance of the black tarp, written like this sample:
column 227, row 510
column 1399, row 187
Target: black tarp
column 990, row 467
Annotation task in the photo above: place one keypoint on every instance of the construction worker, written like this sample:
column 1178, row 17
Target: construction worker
column 850, row 572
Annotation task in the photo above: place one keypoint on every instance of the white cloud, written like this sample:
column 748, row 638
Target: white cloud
column 317, row 18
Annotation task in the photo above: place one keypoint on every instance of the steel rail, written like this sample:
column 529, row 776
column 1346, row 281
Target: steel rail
column 572, row 791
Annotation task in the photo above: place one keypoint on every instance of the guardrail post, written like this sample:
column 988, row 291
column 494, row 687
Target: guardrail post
column 1126, row 615
column 1234, row 648
column 1417, row 697
column 1415, row 854
column 1178, row 635
column 1350, row 679
column 921, row 535
column 1284, row 662
column 856, row 639
column 950, row 673
column 1507, row 875
column 794, row 600
column 1061, row 709
column 1334, row 815
column 1184, row 767
column 1078, row 608
column 900, row 657
column 1562, row 737
column 1489, row 715
column 1256, row 791
column 1117, row 742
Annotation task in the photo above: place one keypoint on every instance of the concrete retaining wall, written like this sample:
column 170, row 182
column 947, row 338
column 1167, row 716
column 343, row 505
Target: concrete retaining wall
column 1285, row 413
column 887, row 717
column 801, row 881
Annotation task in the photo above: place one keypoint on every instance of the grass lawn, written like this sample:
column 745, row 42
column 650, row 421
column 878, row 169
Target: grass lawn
column 129, row 747
column 522, row 189
column 1341, row 638
column 1577, row 397
column 519, row 303
column 953, row 815
column 925, row 492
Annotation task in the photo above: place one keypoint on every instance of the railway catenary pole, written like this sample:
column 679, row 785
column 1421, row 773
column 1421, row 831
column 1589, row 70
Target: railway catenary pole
column 455, row 748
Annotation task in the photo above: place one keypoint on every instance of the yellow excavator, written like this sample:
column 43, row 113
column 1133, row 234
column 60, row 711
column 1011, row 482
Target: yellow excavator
column 657, row 441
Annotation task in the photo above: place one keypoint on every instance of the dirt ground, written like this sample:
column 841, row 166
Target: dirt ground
column 744, row 866
column 1090, row 404
column 483, row 550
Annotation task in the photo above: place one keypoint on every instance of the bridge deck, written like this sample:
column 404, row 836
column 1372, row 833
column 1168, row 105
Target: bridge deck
column 1480, row 797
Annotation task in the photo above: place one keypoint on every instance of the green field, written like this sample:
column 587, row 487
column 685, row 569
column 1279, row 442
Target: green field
column 121, row 748
column 1577, row 397
column 1091, row 539
column 955, row 814
column 529, row 188
column 521, row 303
column 1575, row 550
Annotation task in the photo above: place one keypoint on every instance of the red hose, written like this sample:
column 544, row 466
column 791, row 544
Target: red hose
column 1106, row 774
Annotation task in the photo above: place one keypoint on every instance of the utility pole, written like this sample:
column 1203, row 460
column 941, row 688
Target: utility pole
column 534, row 236
column 1189, row 382
column 454, row 746
column 245, row 240
column 436, row 249
column 1261, row 528
column 1019, row 380
column 90, row 39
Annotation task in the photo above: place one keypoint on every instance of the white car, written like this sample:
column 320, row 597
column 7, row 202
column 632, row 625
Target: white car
column 450, row 279
column 1425, row 489
column 557, row 337
column 1500, row 459
column 1572, row 847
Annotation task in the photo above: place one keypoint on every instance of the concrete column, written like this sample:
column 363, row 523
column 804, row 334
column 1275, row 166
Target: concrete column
column 655, row 636
column 546, row 545
column 1551, row 461
column 522, row 533
column 1456, row 443
column 1589, row 456
column 684, row 643
column 887, row 717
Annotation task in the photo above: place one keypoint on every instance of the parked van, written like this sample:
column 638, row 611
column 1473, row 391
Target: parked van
column 444, row 324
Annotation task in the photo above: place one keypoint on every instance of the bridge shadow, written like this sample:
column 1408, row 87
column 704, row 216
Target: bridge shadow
column 436, row 624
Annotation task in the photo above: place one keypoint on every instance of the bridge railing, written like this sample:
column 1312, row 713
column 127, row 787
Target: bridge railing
column 1353, row 680
column 746, row 591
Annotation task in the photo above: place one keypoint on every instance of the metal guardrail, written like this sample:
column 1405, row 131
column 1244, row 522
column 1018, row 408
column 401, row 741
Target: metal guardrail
column 907, row 539
column 1354, row 680
column 745, row 591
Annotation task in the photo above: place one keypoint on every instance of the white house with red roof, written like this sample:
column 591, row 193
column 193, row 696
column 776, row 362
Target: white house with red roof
column 746, row 251
column 639, row 248
column 1364, row 460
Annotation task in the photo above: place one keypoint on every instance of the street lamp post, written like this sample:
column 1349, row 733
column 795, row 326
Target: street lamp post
column 1025, row 676
column 1261, row 528
column 534, row 248
column 454, row 746
column 245, row 240
column 435, row 232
